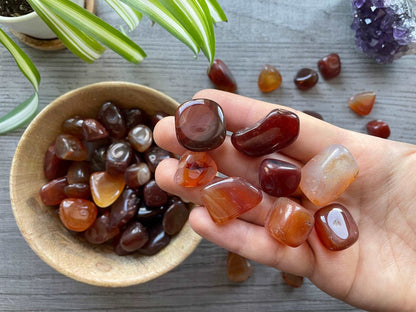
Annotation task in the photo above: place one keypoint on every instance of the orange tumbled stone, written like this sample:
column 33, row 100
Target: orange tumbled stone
column 106, row 188
column 229, row 198
column 269, row 79
column 195, row 169
column 288, row 222
column 77, row 214
column 239, row 268
column 362, row 103
column 328, row 174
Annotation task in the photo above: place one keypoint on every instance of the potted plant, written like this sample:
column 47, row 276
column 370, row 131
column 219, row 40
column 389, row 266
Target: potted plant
column 85, row 35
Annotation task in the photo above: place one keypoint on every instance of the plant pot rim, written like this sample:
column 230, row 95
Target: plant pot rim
column 20, row 18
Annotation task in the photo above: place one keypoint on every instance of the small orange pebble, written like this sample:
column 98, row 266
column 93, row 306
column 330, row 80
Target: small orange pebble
column 269, row 78
column 239, row 268
column 293, row 280
column 362, row 103
column 195, row 169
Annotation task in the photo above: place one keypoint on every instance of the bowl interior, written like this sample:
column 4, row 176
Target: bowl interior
column 40, row 225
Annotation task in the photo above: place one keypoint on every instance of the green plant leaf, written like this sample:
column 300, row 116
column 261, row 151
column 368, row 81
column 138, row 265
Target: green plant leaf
column 128, row 14
column 217, row 13
column 25, row 111
column 96, row 28
column 161, row 15
column 193, row 17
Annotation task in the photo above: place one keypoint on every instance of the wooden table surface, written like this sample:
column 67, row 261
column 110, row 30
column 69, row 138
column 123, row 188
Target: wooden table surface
column 288, row 34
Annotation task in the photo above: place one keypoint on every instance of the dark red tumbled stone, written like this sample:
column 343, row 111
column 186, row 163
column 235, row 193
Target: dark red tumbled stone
column 113, row 120
column 330, row 66
column 154, row 155
column 306, row 78
column 133, row 237
column 53, row 192
column 53, row 167
column 378, row 128
column 124, row 208
column 153, row 195
column 93, row 130
column 221, row 76
column 69, row 147
column 277, row 130
column 175, row 217
column 200, row 125
column 101, row 230
column 158, row 239
column 278, row 178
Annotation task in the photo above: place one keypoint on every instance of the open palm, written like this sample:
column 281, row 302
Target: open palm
column 376, row 273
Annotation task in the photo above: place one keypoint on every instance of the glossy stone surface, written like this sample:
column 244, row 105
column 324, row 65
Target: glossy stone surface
column 93, row 130
column 137, row 175
column 78, row 190
column 53, row 167
column 73, row 126
column 144, row 213
column 229, row 198
column 134, row 237
column 77, row 214
column 195, row 169
column 362, row 103
column 154, row 155
column 221, row 76
column 328, row 174
column 378, row 128
column 153, row 195
column 140, row 138
column 175, row 218
column 292, row 279
column 278, row 178
column 239, row 268
column 134, row 117
column 69, row 147
column 78, row 172
column 289, row 223
column 158, row 239
column 200, row 125
column 269, row 78
column 53, row 192
column 124, row 208
column 336, row 227
column 306, row 78
column 330, row 66
column 118, row 158
column 277, row 130
column 101, row 230
column 106, row 188
column 112, row 118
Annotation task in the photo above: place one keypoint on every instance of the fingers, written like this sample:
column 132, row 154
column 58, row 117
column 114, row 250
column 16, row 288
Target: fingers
column 165, row 173
column 241, row 112
column 253, row 242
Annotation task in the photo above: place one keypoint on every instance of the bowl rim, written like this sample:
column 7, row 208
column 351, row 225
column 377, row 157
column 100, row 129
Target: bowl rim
column 194, row 241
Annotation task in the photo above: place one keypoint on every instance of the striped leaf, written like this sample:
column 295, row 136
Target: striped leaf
column 216, row 11
column 130, row 16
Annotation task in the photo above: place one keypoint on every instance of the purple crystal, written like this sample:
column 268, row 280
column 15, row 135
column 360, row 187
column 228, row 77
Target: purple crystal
column 384, row 29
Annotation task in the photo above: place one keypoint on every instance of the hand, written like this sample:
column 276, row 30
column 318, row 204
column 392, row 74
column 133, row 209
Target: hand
column 379, row 271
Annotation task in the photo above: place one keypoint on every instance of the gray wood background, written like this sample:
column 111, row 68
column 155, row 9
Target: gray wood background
column 285, row 33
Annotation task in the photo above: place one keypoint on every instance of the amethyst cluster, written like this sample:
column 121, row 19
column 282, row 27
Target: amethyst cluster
column 384, row 29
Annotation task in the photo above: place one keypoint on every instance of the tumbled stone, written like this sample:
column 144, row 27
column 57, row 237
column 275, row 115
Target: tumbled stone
column 239, row 268
column 288, row 222
column 106, row 188
column 362, row 103
column 328, row 174
column 195, row 169
column 229, row 198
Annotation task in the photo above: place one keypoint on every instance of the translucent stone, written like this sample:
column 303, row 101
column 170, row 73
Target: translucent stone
column 124, row 208
column 175, row 217
column 289, row 223
column 106, row 188
column 239, row 268
column 195, row 169
column 73, row 126
column 77, row 214
column 93, row 130
column 306, row 78
column 328, row 174
column 53, row 167
column 292, row 279
column 78, row 190
column 229, row 198
column 330, row 66
column 69, row 147
column 101, row 231
column 140, row 138
column 200, row 125
column 269, row 79
column 277, row 130
column 221, row 76
column 362, row 103
column 378, row 128
column 53, row 192
column 335, row 227
column 278, row 178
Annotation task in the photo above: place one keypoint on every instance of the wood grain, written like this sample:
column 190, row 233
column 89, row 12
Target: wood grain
column 284, row 33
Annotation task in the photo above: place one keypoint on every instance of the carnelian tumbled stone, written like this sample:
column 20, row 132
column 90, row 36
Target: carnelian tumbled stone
column 195, row 169
column 69, row 147
column 378, row 128
column 278, row 178
column 53, row 192
column 53, row 167
column 269, row 78
column 239, row 268
column 200, row 125
column 77, row 214
column 221, row 76
column 292, row 279
column 101, row 230
column 330, row 66
column 277, row 130
column 288, row 222
column 106, row 188
column 336, row 227
column 306, row 78
column 229, row 198
column 362, row 103
column 328, row 174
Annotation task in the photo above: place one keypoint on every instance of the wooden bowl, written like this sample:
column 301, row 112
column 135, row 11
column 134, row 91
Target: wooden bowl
column 40, row 225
